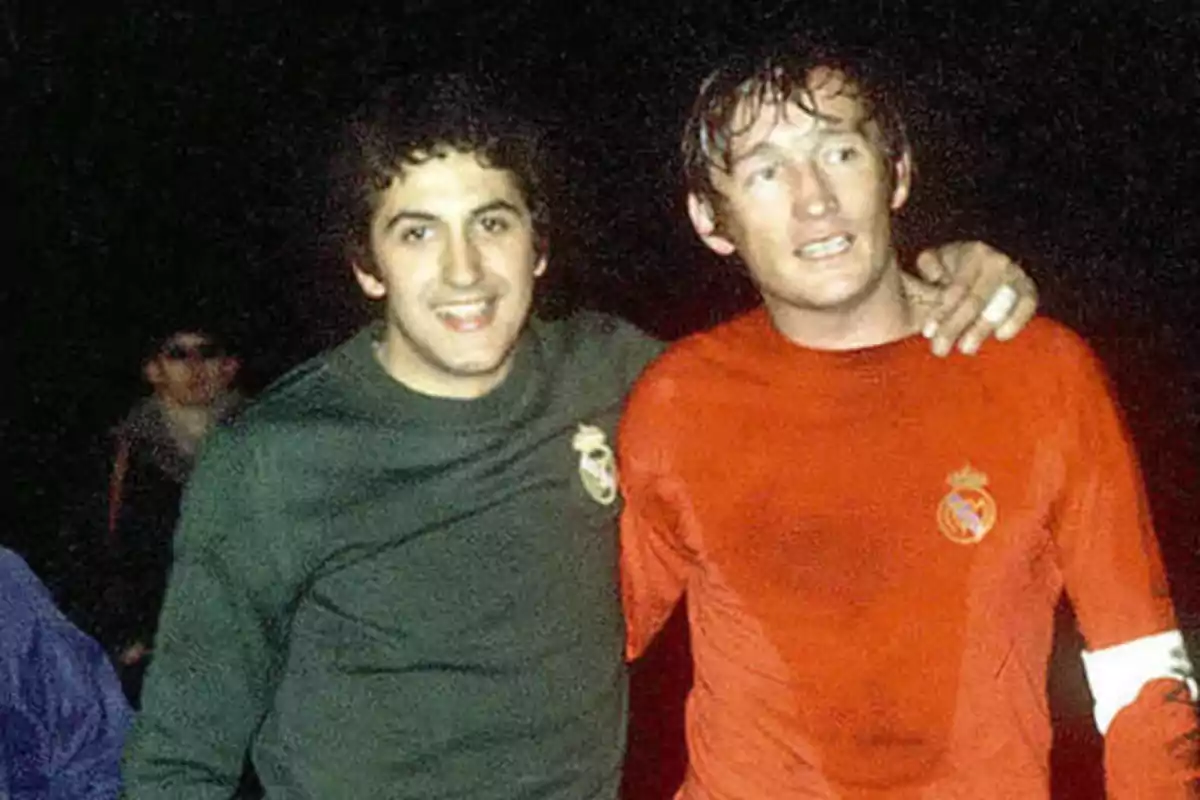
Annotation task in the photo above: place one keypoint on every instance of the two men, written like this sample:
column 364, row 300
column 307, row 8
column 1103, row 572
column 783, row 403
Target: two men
column 395, row 575
column 872, row 541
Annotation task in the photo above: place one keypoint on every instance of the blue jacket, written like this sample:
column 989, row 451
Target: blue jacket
column 63, row 717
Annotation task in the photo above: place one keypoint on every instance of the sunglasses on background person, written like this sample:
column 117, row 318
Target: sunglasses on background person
column 204, row 351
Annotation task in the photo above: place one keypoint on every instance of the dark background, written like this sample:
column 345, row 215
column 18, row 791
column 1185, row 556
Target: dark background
column 162, row 163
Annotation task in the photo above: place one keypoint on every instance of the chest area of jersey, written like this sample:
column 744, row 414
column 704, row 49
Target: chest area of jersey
column 840, row 508
column 494, row 533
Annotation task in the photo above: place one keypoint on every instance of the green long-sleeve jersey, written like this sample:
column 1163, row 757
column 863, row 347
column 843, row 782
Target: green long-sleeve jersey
column 380, row 594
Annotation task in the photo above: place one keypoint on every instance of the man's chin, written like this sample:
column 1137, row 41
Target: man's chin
column 824, row 302
column 474, row 369
column 477, row 365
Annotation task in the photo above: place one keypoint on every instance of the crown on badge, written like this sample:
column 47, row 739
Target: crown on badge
column 967, row 478
column 588, row 437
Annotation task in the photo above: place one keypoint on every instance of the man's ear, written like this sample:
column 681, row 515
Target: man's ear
column 903, row 176
column 371, row 284
column 704, row 222
column 543, row 258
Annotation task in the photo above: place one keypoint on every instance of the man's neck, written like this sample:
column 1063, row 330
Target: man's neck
column 407, row 368
column 883, row 314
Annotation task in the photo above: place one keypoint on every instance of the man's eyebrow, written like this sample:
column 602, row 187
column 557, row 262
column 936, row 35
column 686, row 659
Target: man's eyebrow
column 759, row 150
column 836, row 125
column 498, row 205
column 826, row 126
column 408, row 216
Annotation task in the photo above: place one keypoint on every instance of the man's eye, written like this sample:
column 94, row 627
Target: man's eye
column 765, row 173
column 842, row 155
column 494, row 224
column 415, row 234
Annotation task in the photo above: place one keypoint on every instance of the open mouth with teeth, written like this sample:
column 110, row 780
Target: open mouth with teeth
column 826, row 248
column 467, row 317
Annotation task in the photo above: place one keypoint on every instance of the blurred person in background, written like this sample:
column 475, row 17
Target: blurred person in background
column 191, row 377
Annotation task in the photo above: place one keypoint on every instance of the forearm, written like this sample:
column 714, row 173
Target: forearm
column 206, row 692
column 192, row 743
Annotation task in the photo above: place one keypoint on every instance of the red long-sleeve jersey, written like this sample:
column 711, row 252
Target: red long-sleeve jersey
column 872, row 545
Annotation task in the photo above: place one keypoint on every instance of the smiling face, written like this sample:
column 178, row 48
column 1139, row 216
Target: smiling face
column 454, row 260
column 807, row 199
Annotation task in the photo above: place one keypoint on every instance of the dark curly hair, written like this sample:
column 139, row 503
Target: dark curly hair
column 410, row 120
column 780, row 69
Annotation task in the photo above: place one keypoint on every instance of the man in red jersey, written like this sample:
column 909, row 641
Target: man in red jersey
column 872, row 541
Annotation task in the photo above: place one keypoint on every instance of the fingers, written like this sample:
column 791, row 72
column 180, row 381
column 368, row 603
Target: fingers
column 988, row 295
column 995, row 311
column 932, row 268
column 963, row 324
column 973, row 291
column 1004, row 313
column 1021, row 315
column 964, row 266
column 1026, row 307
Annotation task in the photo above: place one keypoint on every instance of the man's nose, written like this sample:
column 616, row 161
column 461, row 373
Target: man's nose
column 815, row 195
column 463, row 264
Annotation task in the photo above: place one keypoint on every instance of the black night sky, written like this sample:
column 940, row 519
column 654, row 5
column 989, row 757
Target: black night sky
column 163, row 164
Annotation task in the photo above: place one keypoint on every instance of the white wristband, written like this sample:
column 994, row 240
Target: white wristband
column 1117, row 674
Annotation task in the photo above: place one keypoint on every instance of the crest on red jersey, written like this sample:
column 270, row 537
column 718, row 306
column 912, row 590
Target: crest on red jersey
column 968, row 512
